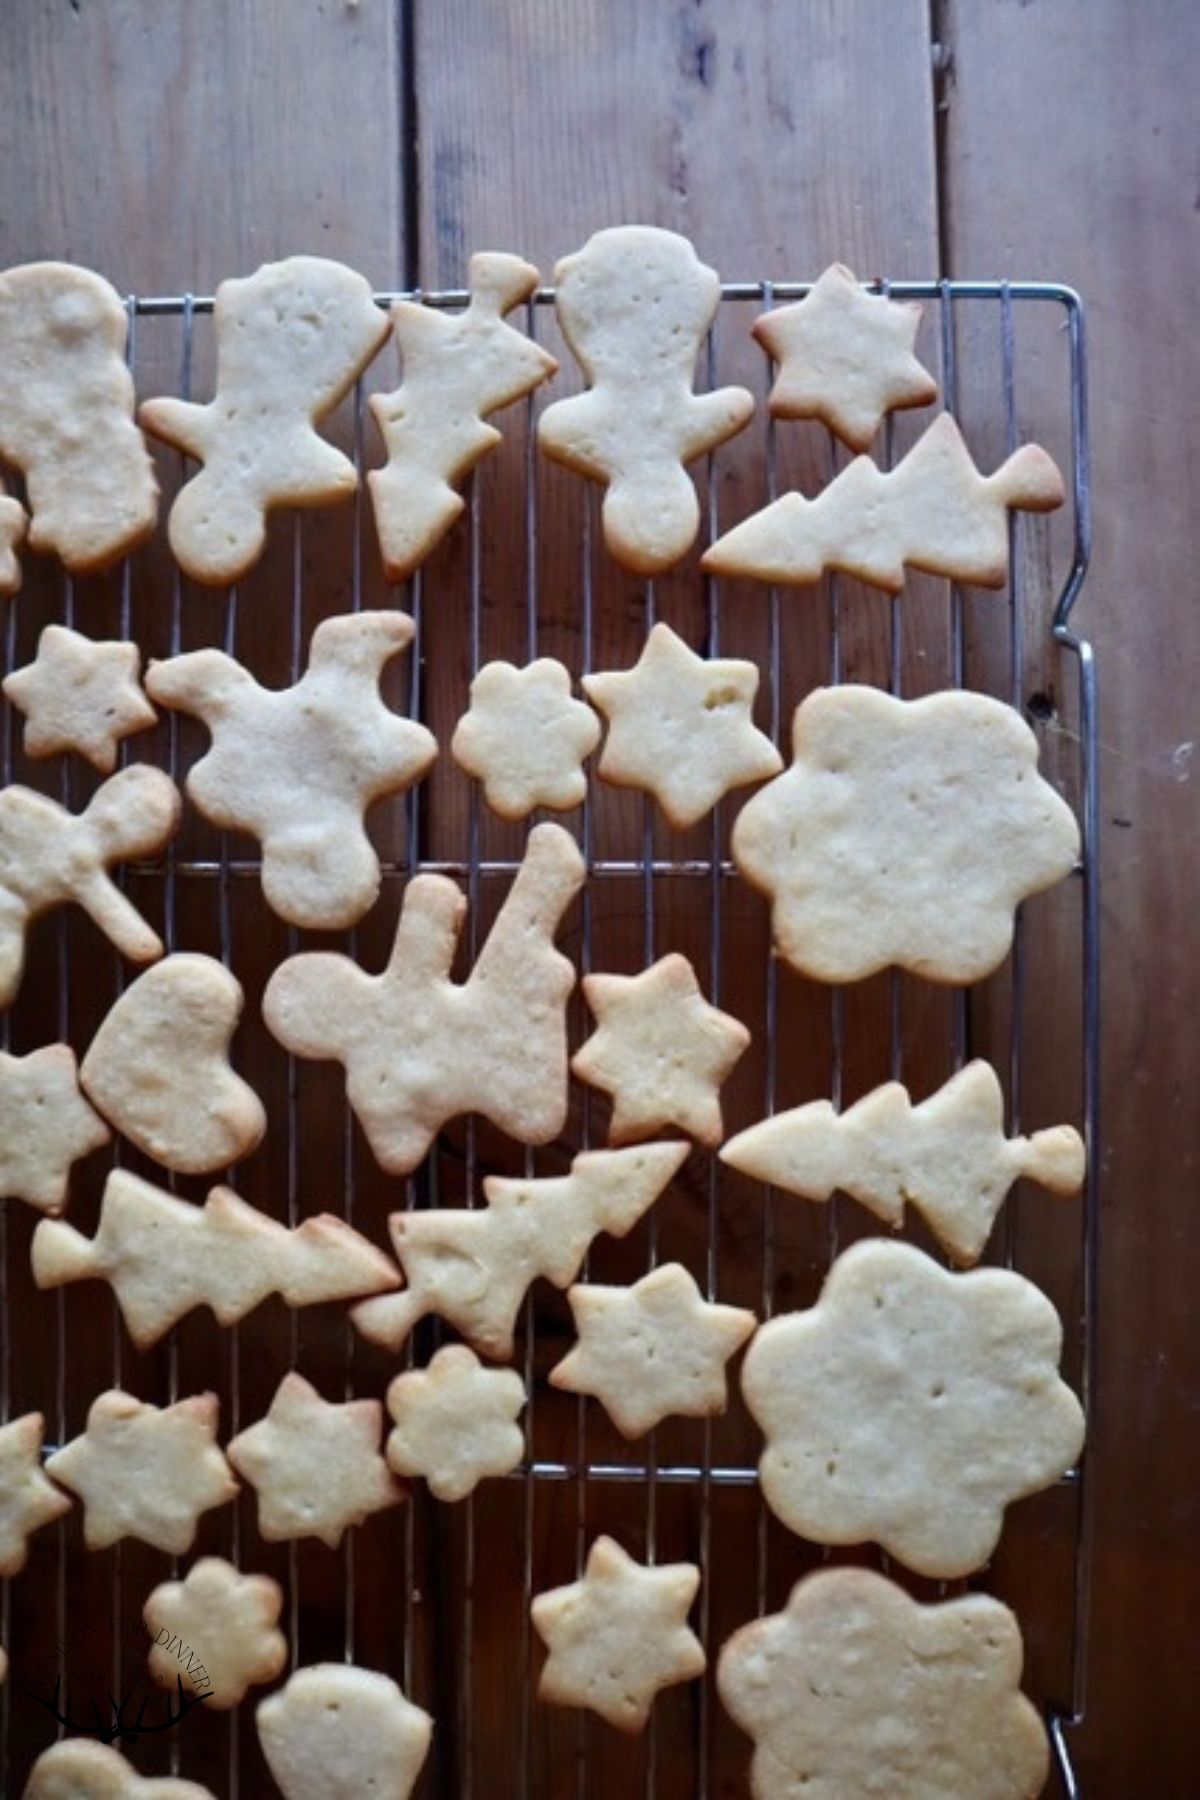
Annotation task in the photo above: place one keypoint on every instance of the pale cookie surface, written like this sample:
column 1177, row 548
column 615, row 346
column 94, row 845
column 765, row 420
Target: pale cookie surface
column 910, row 1405
column 298, row 767
column 525, row 738
column 338, row 1732
column 455, row 1422
column 473, row 1266
column 458, row 367
column 660, row 1050
column 855, row 1689
column 845, row 356
column 145, row 1472
column 419, row 1048
column 652, row 1351
column 933, row 511
column 66, row 415
column 162, row 1256
column 905, row 831
column 158, row 1068
column 77, row 1769
column 316, row 1465
column 221, row 1627
column 27, row 1499
column 45, row 1126
column 49, row 856
column 80, row 694
column 618, row 1635
column 292, row 339
column 949, row 1156
column 634, row 305
column 680, row 727
column 14, row 522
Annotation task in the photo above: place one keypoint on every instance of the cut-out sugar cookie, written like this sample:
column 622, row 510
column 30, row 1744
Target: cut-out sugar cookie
column 458, row 367
column 473, row 1266
column 27, row 1499
column 660, row 1050
column 229, row 1624
column 455, row 1422
column 525, row 738
column 315, row 1465
column 652, row 1351
column 49, row 856
column 81, row 1769
column 906, row 832
column 634, row 305
column 338, row 1732
column 14, row 522
column 145, row 1472
column 855, row 1689
column 845, row 357
column 680, row 727
column 910, row 1406
column 158, row 1068
column 949, row 1156
column 162, row 1256
column 618, row 1635
column 292, row 339
column 66, row 415
column 419, row 1048
column 80, row 694
column 299, row 766
column 933, row 511
column 45, row 1126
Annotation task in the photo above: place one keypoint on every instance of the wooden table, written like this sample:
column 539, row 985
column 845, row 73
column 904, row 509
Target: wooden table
column 168, row 145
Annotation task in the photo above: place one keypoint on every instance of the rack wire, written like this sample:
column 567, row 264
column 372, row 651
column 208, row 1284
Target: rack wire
column 527, row 569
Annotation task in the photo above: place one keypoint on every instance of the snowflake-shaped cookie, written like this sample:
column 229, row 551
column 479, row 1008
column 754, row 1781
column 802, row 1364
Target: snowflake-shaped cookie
column 338, row 1732
column 80, row 694
column 27, row 1500
column 905, row 831
column 456, row 1422
column 223, row 1626
column 910, row 1405
column 45, row 1126
column 525, row 738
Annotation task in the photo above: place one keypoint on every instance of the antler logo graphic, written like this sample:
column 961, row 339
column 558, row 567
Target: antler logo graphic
column 122, row 1729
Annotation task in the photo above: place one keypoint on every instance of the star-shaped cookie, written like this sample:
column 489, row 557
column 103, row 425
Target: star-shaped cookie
column 680, row 727
column 618, row 1635
column 316, row 1465
column 525, row 737
column 456, row 1422
column 660, row 1050
column 845, row 356
column 145, row 1471
column 82, row 695
column 226, row 1623
column 27, row 1500
column 653, row 1350
column 45, row 1126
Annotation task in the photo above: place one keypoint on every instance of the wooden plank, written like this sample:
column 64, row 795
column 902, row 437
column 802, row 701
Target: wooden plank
column 1068, row 141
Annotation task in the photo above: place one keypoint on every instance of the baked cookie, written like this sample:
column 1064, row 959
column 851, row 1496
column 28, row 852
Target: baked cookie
column 81, row 1769
column 223, row 1624
column 525, row 738
column 14, row 522
column 27, row 1500
column 337, row 1732
column 456, row 1422
column 46, row 1125
column 80, row 694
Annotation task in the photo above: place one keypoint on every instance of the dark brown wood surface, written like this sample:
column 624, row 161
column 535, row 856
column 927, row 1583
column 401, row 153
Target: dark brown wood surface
column 168, row 145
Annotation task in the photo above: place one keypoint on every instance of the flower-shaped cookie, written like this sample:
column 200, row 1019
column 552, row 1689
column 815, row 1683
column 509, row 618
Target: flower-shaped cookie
column 910, row 1405
column 525, row 737
column 79, row 1766
column 456, row 1422
column 855, row 1689
column 221, row 1626
column 905, row 831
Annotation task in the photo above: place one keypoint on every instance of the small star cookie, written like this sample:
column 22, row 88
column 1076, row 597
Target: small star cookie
column 338, row 1732
column 680, row 727
column 660, row 1050
column 79, row 1769
column 525, row 738
column 145, row 1471
column 652, row 1351
column 224, row 1623
column 27, row 1500
column 455, row 1422
column 46, row 1125
column 845, row 356
column 80, row 694
column 316, row 1465
column 618, row 1635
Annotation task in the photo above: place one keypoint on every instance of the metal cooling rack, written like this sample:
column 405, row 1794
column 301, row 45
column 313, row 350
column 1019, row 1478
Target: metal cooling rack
column 577, row 1473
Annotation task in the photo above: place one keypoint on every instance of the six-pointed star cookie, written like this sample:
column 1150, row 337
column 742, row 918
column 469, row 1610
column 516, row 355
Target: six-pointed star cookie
column 680, row 728
column 316, row 1465
column 525, row 738
column 226, row 1623
column 845, row 356
column 27, row 1500
column 45, row 1126
column 618, row 1635
column 144, row 1471
column 651, row 1350
column 456, row 1422
column 660, row 1050
column 79, row 694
